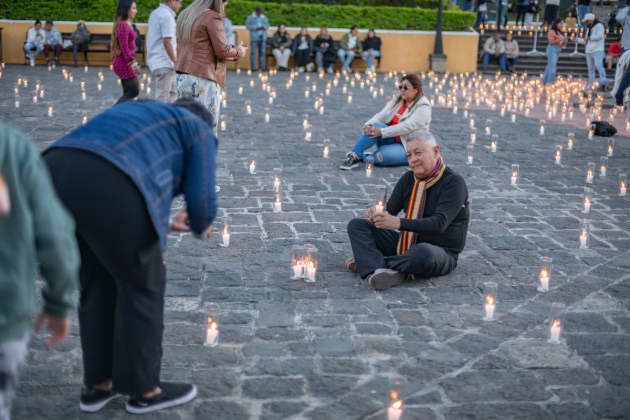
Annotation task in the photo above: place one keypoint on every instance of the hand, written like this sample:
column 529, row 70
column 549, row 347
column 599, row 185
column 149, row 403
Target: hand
column 180, row 222
column 367, row 129
column 385, row 220
column 59, row 327
column 369, row 214
column 136, row 69
column 242, row 48
column 376, row 132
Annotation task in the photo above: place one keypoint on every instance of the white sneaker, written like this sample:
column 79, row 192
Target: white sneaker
column 330, row 70
column 32, row 60
column 372, row 69
column 300, row 69
column 310, row 67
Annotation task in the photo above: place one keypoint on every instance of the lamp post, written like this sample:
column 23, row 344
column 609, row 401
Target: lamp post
column 438, row 59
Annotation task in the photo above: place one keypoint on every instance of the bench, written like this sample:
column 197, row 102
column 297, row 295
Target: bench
column 99, row 43
column 336, row 45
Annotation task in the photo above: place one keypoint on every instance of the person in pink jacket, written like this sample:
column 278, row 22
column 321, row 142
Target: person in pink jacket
column 124, row 63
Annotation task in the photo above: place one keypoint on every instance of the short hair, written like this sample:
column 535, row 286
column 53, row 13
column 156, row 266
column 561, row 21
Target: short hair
column 49, row 22
column 196, row 108
column 422, row 135
column 38, row 22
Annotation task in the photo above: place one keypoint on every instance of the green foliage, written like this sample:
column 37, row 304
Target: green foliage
column 422, row 4
column 292, row 14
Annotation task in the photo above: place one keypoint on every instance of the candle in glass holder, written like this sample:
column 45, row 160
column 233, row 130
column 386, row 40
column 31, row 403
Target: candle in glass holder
column 35, row 96
column 298, row 255
column 17, row 101
column 469, row 154
column 591, row 131
column 369, row 164
column 590, row 172
column 556, row 321
column 558, row 154
column 395, row 403
column 488, row 127
column 310, row 265
column 267, row 115
column 248, row 107
column 222, row 123
column 541, row 131
column 584, row 233
column 587, row 200
column 277, row 178
column 513, row 118
column 611, row 145
column 489, row 300
column 472, row 120
column 251, row 82
column 326, row 149
column 515, row 173
column 225, row 231
column 50, row 109
column 307, row 93
column 623, row 184
column 494, row 142
column 350, row 98
column 307, row 133
column 544, row 275
column 84, row 118
column 277, row 201
column 380, row 199
column 473, row 135
column 603, row 164
column 570, row 140
column 212, row 325
column 252, row 165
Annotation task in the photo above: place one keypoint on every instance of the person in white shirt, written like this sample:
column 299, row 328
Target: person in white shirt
column 594, row 40
column 162, row 47
column 35, row 39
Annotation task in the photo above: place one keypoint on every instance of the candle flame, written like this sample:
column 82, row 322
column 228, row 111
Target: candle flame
column 584, row 233
column 489, row 300
column 214, row 326
column 623, row 184
column 556, row 323
column 543, row 273
column 587, row 200
column 514, row 173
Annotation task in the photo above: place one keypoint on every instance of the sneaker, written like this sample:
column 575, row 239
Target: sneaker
column 329, row 70
column 32, row 60
column 350, row 162
column 310, row 67
column 172, row 395
column 384, row 278
column 93, row 399
column 217, row 189
column 351, row 265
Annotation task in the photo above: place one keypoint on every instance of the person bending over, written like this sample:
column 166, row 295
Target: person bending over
column 426, row 241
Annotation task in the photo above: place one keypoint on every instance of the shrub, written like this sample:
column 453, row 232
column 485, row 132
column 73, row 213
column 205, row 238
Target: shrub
column 292, row 14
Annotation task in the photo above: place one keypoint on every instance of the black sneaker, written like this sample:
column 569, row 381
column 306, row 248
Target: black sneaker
column 172, row 395
column 93, row 400
column 350, row 162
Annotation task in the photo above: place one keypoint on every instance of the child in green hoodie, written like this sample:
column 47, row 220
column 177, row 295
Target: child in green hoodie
column 34, row 228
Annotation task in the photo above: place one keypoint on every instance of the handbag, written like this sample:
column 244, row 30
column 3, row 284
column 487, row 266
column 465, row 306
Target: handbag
column 604, row 129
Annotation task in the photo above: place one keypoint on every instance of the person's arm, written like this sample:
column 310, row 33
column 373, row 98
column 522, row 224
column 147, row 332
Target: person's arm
column 265, row 23
column 382, row 114
column 170, row 51
column 377, row 47
column 200, row 178
column 288, row 42
column 58, row 39
column 486, row 46
column 220, row 46
column 250, row 23
column 450, row 202
column 123, row 42
column 344, row 42
column 516, row 49
column 168, row 31
column 31, row 35
column 501, row 47
column 419, row 119
column 621, row 16
column 396, row 201
column 597, row 33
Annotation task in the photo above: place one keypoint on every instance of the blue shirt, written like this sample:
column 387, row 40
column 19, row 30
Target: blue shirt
column 165, row 150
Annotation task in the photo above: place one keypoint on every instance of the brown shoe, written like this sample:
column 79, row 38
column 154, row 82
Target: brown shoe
column 351, row 265
column 384, row 278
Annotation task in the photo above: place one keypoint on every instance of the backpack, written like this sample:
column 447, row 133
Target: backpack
column 604, row 129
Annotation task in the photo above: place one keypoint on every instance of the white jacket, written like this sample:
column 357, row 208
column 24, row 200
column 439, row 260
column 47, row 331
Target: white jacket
column 36, row 36
column 414, row 118
column 596, row 39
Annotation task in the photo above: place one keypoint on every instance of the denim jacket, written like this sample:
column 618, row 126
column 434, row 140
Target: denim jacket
column 165, row 150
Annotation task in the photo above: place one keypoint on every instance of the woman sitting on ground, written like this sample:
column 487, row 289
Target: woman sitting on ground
column 409, row 111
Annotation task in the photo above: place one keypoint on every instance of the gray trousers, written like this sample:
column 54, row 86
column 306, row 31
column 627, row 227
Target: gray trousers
column 12, row 358
column 376, row 248
column 165, row 85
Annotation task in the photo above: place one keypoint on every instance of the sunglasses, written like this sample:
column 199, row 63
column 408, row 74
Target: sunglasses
column 404, row 87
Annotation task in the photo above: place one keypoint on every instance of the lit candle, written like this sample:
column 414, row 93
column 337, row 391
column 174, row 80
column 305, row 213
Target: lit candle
column 455, row 109
column 469, row 154
column 473, row 135
column 83, row 95
column 277, row 201
column 554, row 331
column 493, row 143
column 602, row 166
column 252, row 167
column 558, row 154
column 326, row 151
column 212, row 334
column 489, row 308
column 515, row 173
column 321, row 110
column 513, row 119
column 378, row 208
column 611, row 144
column 307, row 93
column 590, row 171
column 489, row 300
column 50, row 109
column 488, row 127
column 587, row 204
column 623, row 184
column 542, row 127
column 349, row 99
column 223, row 124
column 267, row 115
column 544, row 280
column 311, row 272
column 570, row 138
column 240, row 89
column 297, row 271
column 226, row 239
column 583, row 237
column 248, row 107
column 395, row 410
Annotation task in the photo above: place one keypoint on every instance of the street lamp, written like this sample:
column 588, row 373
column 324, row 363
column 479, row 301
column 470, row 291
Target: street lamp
column 438, row 59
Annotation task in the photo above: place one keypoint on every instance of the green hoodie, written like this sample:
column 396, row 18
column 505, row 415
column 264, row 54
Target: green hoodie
column 37, row 229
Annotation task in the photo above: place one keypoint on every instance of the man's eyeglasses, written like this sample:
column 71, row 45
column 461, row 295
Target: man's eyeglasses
column 404, row 87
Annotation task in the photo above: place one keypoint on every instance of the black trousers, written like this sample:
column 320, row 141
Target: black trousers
column 376, row 248
column 131, row 89
column 521, row 10
column 122, row 271
column 302, row 57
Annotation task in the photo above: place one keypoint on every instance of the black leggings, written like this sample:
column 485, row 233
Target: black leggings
column 520, row 13
column 122, row 275
column 131, row 89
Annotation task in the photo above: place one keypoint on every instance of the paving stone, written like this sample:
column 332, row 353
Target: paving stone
column 270, row 387
column 495, row 411
column 502, row 385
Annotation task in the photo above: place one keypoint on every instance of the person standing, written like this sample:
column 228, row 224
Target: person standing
column 551, row 12
column 325, row 56
column 34, row 227
column 80, row 39
column 123, row 169
column 371, row 49
column 521, row 10
column 481, row 7
column 203, row 51
column 229, row 31
column 123, row 47
column 583, row 7
column 532, row 9
column 281, row 47
column 594, row 40
column 162, row 46
column 349, row 48
column 35, row 39
column 53, row 41
column 257, row 24
column 555, row 43
column 426, row 242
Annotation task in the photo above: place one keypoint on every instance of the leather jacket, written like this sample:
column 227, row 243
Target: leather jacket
column 206, row 52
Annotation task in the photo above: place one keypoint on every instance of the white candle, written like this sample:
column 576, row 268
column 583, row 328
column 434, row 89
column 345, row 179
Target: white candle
column 212, row 336
column 542, row 130
column 252, row 167
column 226, row 239
column 558, row 159
column 266, row 117
column 248, row 108
column 326, row 151
column 394, row 413
column 50, row 110
column 368, row 173
column 610, row 150
column 623, row 189
column 311, row 271
column 297, row 271
column 83, row 96
column 570, row 144
column 583, row 238
column 493, row 147
column 349, row 99
column 455, row 109
column 544, row 281
column 378, row 208
column 277, row 206
column 555, row 332
column 589, row 177
column 489, row 308
column 513, row 118
column 602, row 171
column 587, row 204
column 469, row 160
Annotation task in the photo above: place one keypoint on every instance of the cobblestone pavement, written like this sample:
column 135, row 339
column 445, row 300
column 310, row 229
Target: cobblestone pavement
column 328, row 350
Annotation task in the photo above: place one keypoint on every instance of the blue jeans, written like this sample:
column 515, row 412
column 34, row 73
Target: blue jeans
column 369, row 59
column 389, row 152
column 481, row 19
column 38, row 48
column 553, row 53
column 487, row 57
column 346, row 58
column 594, row 61
column 258, row 46
column 582, row 11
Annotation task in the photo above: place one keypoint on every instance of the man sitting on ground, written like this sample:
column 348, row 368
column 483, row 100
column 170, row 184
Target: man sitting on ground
column 426, row 242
